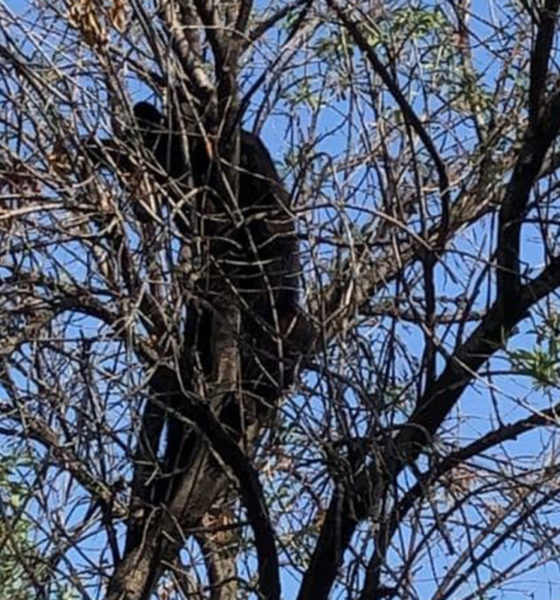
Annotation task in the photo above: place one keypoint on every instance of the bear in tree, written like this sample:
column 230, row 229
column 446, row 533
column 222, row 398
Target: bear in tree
column 251, row 255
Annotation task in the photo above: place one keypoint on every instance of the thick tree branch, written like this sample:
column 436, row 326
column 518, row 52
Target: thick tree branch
column 336, row 534
column 183, row 32
column 250, row 488
column 245, row 7
column 214, row 31
column 432, row 409
column 540, row 58
column 202, row 483
column 538, row 140
column 487, row 338
column 390, row 525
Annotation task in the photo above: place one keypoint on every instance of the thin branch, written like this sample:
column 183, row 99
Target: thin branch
column 280, row 14
column 408, row 112
column 432, row 409
column 477, row 448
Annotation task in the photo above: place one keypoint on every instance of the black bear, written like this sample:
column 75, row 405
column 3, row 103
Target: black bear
column 253, row 237
column 252, row 256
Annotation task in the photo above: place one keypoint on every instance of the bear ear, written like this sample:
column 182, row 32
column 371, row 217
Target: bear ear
column 144, row 112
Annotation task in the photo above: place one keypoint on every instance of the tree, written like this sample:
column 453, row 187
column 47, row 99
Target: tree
column 414, row 455
column 17, row 554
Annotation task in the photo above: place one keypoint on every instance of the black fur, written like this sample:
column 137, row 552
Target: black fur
column 253, row 236
column 253, row 259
